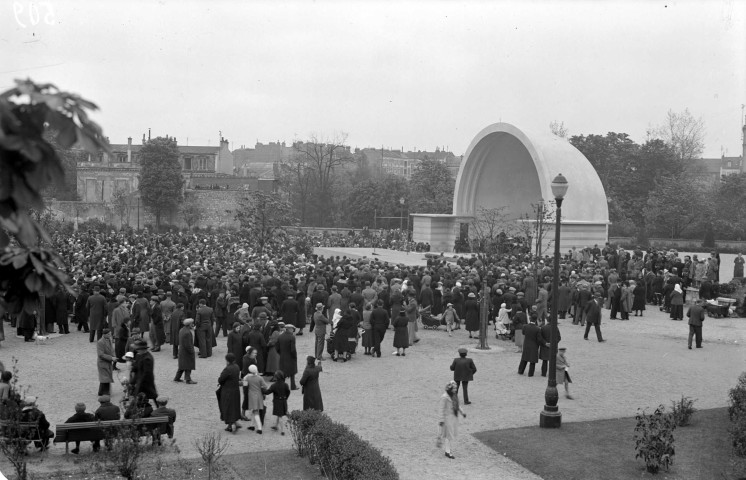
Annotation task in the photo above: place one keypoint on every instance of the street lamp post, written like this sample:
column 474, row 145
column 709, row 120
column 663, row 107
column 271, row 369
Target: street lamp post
column 401, row 214
column 551, row 417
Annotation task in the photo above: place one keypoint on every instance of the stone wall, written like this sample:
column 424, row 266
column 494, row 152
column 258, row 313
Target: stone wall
column 219, row 209
column 683, row 244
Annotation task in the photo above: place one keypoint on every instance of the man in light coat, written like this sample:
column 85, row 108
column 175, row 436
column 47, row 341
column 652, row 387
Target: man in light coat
column 105, row 361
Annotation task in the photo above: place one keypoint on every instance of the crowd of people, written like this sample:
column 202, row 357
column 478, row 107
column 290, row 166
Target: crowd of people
column 135, row 293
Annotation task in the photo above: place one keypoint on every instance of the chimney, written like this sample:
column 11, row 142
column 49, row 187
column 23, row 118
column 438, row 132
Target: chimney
column 129, row 149
column 143, row 139
column 148, row 134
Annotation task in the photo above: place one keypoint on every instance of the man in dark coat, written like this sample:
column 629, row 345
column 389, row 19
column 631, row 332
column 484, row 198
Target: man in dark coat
column 187, row 360
column 545, row 349
column 143, row 371
column 107, row 411
column 81, row 309
column 463, row 372
column 141, row 313
column 164, row 411
column 157, row 334
column 61, row 305
column 97, row 310
column 592, row 314
column 285, row 347
column 204, row 321
column 289, row 310
column 531, row 340
column 177, row 319
column 696, row 315
column 379, row 322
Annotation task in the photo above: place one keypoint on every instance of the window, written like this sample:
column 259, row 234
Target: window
column 202, row 163
column 121, row 157
column 187, row 163
column 730, row 164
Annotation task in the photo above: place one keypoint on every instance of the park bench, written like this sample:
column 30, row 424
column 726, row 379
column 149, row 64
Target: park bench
column 92, row 431
column 19, row 431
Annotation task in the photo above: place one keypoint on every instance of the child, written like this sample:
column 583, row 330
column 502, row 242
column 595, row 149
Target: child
column 563, row 373
column 124, row 375
column 281, row 392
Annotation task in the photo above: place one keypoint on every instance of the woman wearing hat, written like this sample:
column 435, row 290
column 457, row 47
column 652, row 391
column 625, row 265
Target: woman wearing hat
column 310, row 383
column 471, row 309
column 401, row 335
column 273, row 356
column 229, row 397
column 235, row 342
column 450, row 410
column 255, row 385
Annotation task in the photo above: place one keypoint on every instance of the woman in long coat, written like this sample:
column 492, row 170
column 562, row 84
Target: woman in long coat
column 449, row 410
column 638, row 298
column 677, row 303
column 257, row 340
column 310, row 383
column 367, row 328
column 341, row 333
column 471, row 307
column 273, row 356
column 230, row 397
column 235, row 343
column 401, row 336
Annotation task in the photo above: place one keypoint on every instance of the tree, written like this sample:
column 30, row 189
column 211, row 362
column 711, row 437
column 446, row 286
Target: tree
column 161, row 182
column 684, row 133
column 263, row 215
column 320, row 159
column 28, row 163
column 536, row 226
column 191, row 211
column 490, row 230
column 296, row 180
column 120, row 204
column 431, row 188
column 676, row 205
column 730, row 222
column 375, row 198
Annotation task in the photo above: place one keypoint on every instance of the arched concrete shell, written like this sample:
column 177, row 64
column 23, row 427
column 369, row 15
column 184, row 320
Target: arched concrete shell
column 507, row 166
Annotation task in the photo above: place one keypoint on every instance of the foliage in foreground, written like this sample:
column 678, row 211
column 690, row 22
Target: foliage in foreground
column 340, row 453
column 654, row 441
column 737, row 415
column 683, row 410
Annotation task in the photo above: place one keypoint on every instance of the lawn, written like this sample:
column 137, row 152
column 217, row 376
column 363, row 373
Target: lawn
column 604, row 449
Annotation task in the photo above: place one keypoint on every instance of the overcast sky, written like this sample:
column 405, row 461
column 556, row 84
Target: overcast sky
column 397, row 74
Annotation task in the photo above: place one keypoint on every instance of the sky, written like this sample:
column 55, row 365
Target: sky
column 412, row 74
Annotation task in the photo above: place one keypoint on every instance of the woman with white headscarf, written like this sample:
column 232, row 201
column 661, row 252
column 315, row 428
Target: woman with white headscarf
column 256, row 385
column 677, row 303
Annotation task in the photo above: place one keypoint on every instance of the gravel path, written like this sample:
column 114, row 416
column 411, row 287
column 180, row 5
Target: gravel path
column 392, row 401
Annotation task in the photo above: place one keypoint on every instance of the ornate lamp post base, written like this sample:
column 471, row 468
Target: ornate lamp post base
column 551, row 417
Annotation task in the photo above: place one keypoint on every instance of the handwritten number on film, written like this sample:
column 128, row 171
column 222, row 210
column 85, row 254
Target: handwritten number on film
column 31, row 14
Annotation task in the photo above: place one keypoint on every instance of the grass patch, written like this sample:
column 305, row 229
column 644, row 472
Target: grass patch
column 606, row 449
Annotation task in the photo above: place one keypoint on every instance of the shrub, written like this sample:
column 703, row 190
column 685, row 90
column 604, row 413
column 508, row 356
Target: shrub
column 340, row 453
column 654, row 438
column 211, row 448
column 683, row 410
column 737, row 415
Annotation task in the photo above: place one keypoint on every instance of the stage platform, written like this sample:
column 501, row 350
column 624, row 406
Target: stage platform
column 396, row 257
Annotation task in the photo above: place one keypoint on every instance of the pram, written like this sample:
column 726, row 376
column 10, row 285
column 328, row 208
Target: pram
column 430, row 321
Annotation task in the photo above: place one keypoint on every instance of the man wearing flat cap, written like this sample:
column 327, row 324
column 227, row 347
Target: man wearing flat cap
column 106, row 411
column 319, row 322
column 143, row 369
column 592, row 314
column 163, row 411
column 463, row 372
column 187, row 356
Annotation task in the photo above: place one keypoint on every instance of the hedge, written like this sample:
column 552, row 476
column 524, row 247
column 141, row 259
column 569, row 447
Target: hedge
column 340, row 453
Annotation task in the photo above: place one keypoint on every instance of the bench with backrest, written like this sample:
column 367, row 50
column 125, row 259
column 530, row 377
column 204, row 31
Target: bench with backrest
column 100, row 430
column 19, row 431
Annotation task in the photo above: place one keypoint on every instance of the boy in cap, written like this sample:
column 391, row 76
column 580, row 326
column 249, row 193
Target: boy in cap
column 463, row 372
column 563, row 374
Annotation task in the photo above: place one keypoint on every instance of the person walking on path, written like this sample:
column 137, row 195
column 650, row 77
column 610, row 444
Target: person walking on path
column 319, row 322
column 563, row 371
column 280, row 393
column 256, row 385
column 449, row 410
column 450, row 317
column 285, row 347
column 229, row 396
column 310, row 383
column 187, row 355
column 143, row 371
column 463, row 372
column 593, row 317
column 696, row 316
column 531, row 340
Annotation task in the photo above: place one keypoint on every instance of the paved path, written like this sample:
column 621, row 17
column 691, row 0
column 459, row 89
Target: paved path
column 392, row 401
